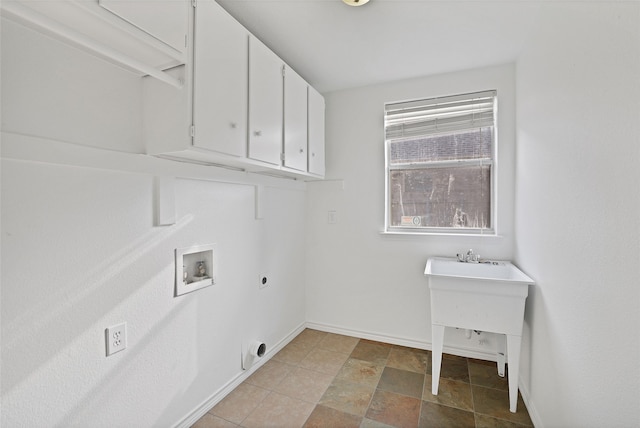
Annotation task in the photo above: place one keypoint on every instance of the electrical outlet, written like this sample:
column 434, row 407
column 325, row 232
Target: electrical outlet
column 116, row 338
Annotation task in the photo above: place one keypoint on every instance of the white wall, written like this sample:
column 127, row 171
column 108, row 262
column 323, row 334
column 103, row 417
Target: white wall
column 577, row 205
column 103, row 108
column 359, row 280
column 80, row 253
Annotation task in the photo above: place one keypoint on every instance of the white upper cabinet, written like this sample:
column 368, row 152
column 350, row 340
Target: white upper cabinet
column 240, row 106
column 316, row 133
column 295, row 120
column 265, row 103
column 212, row 93
column 220, row 81
column 167, row 21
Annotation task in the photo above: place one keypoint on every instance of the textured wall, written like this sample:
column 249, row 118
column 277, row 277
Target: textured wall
column 577, row 204
column 80, row 253
column 357, row 278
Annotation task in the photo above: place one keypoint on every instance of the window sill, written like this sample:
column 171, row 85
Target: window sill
column 447, row 234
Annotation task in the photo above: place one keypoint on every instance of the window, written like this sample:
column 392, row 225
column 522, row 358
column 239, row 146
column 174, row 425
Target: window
column 440, row 164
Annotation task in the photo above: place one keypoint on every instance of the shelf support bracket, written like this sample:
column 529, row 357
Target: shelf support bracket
column 165, row 201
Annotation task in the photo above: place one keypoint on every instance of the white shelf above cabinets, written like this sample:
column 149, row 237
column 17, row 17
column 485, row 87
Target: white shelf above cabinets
column 94, row 29
column 167, row 21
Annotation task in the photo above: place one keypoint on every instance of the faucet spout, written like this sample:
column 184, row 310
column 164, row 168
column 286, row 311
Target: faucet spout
column 470, row 257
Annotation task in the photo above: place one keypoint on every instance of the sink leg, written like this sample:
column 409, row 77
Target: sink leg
column 437, row 333
column 513, row 350
column 501, row 341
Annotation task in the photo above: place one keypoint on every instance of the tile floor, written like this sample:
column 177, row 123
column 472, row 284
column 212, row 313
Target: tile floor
column 328, row 380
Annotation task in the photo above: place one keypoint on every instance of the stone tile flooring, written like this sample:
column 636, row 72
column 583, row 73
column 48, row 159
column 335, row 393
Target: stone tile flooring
column 328, row 380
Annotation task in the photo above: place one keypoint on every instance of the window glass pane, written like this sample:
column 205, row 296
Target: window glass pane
column 470, row 144
column 450, row 197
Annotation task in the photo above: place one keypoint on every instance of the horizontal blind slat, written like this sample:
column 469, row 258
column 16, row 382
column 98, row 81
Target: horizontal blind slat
column 482, row 104
column 438, row 100
column 437, row 115
column 434, row 126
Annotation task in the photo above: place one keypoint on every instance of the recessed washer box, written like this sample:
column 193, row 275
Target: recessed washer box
column 195, row 268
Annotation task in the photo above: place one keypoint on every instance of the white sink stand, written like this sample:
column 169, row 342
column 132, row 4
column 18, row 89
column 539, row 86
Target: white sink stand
column 513, row 345
column 492, row 300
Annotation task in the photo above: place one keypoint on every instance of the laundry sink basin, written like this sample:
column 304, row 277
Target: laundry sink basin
column 478, row 296
column 487, row 270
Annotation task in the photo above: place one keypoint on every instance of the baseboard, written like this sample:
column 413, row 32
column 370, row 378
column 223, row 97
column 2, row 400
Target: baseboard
column 217, row 396
column 402, row 341
column 526, row 397
column 454, row 350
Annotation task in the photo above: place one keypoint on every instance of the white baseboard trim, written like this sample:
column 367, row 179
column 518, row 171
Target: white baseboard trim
column 419, row 344
column 217, row 396
column 402, row 341
column 526, row 397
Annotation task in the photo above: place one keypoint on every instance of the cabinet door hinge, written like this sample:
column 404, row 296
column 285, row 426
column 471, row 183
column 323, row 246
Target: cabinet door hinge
column 283, row 68
column 193, row 130
column 193, row 3
column 282, row 157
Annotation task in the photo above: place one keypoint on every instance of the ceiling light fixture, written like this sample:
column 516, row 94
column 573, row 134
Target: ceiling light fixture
column 355, row 2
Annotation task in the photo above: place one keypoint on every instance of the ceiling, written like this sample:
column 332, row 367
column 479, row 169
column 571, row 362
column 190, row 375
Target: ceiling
column 335, row 46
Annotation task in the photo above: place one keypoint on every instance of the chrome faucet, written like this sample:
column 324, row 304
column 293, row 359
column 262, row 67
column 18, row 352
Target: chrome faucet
column 470, row 257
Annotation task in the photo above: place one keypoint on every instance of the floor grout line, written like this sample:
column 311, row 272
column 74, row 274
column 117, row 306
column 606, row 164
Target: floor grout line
column 404, row 363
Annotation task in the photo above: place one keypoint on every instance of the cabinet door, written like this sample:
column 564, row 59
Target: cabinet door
column 295, row 120
column 265, row 103
column 167, row 21
column 220, row 81
column 316, row 132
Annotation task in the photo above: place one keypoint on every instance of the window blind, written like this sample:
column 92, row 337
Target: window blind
column 411, row 119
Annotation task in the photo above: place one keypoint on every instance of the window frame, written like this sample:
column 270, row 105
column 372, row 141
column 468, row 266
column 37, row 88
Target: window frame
column 490, row 231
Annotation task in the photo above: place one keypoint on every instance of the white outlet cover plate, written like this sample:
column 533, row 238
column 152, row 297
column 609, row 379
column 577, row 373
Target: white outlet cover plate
column 116, row 337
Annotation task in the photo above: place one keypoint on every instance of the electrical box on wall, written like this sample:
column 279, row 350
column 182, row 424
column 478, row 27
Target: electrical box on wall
column 195, row 268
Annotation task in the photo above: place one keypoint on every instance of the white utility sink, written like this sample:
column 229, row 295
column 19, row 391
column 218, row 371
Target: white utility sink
column 486, row 296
